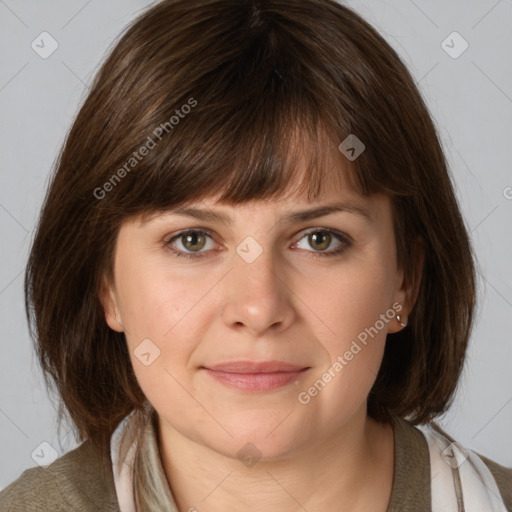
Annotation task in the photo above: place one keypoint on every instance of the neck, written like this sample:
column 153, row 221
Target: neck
column 351, row 470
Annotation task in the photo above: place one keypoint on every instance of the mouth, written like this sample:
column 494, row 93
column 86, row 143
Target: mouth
column 256, row 376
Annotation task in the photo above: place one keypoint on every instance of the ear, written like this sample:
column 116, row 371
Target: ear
column 110, row 304
column 406, row 293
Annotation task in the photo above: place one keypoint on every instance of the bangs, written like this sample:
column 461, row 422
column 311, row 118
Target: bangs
column 266, row 117
column 270, row 166
column 265, row 153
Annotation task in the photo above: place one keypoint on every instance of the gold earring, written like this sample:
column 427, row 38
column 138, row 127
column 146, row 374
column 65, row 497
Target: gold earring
column 400, row 320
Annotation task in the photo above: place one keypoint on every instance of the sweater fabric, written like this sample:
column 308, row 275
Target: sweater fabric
column 83, row 482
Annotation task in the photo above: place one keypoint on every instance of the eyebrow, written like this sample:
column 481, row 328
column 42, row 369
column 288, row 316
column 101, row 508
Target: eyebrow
column 293, row 217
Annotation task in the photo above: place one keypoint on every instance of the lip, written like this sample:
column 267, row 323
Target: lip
column 256, row 376
column 256, row 367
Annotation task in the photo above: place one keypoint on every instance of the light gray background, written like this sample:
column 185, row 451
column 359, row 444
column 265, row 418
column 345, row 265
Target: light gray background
column 470, row 98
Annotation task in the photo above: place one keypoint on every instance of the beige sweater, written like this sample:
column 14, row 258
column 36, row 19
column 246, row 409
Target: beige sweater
column 78, row 481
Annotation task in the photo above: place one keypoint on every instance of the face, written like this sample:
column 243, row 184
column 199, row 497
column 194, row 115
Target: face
column 318, row 293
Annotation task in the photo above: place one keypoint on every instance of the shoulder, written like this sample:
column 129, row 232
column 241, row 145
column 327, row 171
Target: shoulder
column 503, row 477
column 78, row 480
column 463, row 461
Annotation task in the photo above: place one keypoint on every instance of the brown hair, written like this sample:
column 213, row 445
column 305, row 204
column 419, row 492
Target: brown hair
column 224, row 95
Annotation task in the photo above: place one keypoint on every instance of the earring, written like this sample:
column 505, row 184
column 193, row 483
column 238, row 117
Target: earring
column 400, row 320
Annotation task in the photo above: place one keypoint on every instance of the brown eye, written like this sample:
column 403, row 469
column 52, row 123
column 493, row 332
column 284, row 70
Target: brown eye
column 190, row 244
column 322, row 239
column 319, row 240
column 193, row 241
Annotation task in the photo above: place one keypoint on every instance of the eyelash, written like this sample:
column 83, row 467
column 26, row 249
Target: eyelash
column 316, row 254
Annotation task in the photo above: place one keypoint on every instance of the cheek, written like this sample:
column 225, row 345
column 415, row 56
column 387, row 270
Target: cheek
column 354, row 351
column 351, row 306
column 353, row 300
column 154, row 302
column 161, row 314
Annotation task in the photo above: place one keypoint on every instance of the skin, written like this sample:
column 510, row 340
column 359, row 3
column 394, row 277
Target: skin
column 286, row 305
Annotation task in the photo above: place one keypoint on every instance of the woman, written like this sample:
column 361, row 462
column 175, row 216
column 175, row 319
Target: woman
column 251, row 282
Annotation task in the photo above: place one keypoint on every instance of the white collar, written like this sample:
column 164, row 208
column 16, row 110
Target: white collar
column 460, row 480
column 458, row 475
column 122, row 457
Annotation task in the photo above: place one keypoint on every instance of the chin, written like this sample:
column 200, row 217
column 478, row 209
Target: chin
column 259, row 440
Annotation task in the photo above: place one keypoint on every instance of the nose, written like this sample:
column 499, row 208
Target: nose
column 257, row 296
